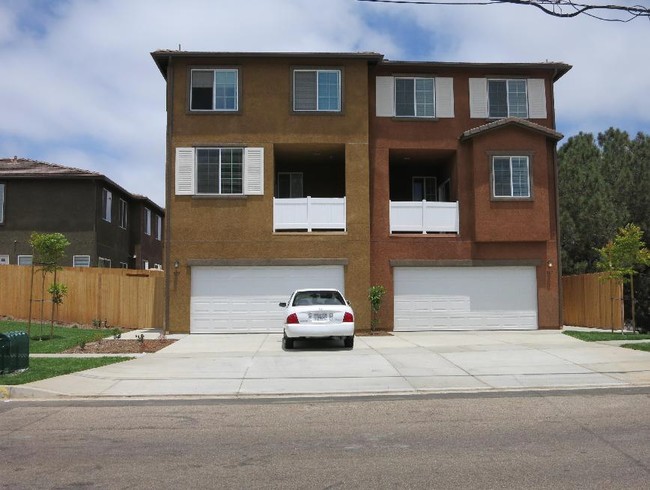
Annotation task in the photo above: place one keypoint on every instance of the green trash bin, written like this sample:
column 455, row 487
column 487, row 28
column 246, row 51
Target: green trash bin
column 14, row 352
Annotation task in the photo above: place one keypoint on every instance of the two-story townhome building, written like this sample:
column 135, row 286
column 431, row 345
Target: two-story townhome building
column 290, row 170
column 104, row 223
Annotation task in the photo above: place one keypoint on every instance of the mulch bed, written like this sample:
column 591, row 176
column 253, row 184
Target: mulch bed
column 119, row 346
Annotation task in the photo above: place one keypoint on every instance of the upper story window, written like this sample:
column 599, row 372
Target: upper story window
column 214, row 90
column 107, row 205
column 124, row 212
column 512, row 97
column 414, row 97
column 147, row 221
column 317, row 90
column 219, row 171
column 2, row 203
column 507, row 98
column 511, row 177
column 81, row 261
column 25, row 260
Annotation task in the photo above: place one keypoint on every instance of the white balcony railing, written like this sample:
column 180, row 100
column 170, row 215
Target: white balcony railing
column 309, row 213
column 424, row 217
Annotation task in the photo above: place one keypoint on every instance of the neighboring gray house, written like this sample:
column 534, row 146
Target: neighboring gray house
column 106, row 225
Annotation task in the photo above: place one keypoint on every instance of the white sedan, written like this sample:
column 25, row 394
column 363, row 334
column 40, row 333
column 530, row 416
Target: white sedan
column 318, row 313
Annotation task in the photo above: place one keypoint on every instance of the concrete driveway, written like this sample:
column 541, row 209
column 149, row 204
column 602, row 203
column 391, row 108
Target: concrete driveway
column 429, row 362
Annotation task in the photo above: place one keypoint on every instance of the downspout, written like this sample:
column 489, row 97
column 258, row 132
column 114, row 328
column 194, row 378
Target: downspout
column 168, row 197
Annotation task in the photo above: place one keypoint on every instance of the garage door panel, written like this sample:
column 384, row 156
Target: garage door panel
column 465, row 298
column 245, row 299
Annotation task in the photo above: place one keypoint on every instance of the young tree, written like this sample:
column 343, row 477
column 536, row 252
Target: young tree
column 375, row 295
column 622, row 256
column 48, row 250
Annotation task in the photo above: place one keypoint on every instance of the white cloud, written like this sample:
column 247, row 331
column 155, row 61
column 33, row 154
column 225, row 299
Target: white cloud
column 79, row 87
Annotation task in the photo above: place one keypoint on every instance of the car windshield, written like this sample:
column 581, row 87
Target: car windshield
column 308, row 298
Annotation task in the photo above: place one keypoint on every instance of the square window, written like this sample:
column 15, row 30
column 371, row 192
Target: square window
column 511, row 177
column 214, row 90
column 507, row 98
column 81, row 261
column 317, row 90
column 414, row 97
column 105, row 263
column 220, row 171
column 24, row 260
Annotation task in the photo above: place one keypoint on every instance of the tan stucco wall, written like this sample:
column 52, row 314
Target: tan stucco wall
column 205, row 228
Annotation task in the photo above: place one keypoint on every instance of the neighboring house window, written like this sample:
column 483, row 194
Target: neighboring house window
column 317, row 90
column 414, row 97
column 290, row 184
column 424, row 188
column 124, row 211
column 219, row 170
column 2, row 203
column 510, row 176
column 4, row 260
column 145, row 264
column 24, row 260
column 158, row 227
column 507, row 98
column 214, row 90
column 106, row 263
column 81, row 261
column 107, row 204
column 147, row 221
column 124, row 265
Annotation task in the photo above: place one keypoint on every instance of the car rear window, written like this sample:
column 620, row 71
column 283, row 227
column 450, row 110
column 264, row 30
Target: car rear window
column 308, row 298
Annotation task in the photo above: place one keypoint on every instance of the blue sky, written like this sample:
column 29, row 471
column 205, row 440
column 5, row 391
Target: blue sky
column 78, row 86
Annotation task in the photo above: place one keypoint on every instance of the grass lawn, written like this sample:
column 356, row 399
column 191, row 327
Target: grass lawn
column 645, row 346
column 600, row 336
column 47, row 367
column 64, row 337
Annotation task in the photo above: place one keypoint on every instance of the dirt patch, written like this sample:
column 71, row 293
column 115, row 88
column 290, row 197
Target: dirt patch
column 119, row 346
column 377, row 333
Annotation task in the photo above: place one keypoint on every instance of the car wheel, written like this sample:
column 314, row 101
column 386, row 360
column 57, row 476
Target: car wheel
column 287, row 343
column 348, row 342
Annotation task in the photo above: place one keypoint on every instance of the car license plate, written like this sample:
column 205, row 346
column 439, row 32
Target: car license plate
column 321, row 317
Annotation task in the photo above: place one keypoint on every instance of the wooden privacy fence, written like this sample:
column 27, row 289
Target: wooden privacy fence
column 121, row 297
column 589, row 301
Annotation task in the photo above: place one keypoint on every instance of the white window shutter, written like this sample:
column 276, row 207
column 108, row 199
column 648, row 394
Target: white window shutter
column 254, row 171
column 444, row 97
column 385, row 96
column 536, row 98
column 478, row 98
column 184, row 171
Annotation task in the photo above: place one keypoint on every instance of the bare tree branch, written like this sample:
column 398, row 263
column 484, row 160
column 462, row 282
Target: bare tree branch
column 555, row 8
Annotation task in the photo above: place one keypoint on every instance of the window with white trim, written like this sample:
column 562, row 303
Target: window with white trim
column 510, row 177
column 219, row 171
column 124, row 265
column 124, row 212
column 4, row 259
column 158, row 227
column 24, row 260
column 145, row 264
column 317, row 90
column 507, row 98
column 81, row 261
column 414, row 97
column 107, row 204
column 147, row 221
column 103, row 262
column 214, row 89
column 2, row 203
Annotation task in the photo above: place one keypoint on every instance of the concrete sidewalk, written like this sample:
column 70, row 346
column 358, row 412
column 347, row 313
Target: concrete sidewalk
column 428, row 362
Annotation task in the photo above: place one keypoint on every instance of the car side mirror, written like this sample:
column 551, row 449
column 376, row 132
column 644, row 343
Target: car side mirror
column 283, row 305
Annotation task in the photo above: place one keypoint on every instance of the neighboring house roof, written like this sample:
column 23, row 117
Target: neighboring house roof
column 511, row 121
column 25, row 168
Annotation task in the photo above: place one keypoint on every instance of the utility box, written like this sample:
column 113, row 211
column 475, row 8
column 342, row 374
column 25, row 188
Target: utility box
column 14, row 352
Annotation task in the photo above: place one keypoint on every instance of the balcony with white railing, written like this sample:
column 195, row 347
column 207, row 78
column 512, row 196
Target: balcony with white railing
column 309, row 214
column 424, row 217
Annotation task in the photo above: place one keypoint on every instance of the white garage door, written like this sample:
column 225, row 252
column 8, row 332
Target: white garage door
column 465, row 298
column 245, row 299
